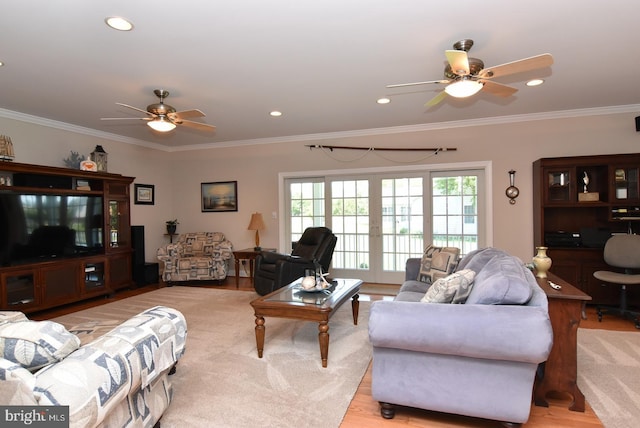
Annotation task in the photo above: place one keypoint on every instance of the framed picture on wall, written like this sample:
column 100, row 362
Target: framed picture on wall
column 144, row 194
column 219, row 196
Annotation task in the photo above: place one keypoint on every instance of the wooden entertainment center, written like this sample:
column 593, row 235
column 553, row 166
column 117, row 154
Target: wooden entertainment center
column 574, row 224
column 44, row 282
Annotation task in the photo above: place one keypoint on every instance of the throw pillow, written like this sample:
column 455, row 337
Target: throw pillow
column 451, row 289
column 503, row 281
column 437, row 262
column 35, row 344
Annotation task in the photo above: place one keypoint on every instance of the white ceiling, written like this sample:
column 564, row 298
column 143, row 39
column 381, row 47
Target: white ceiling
column 322, row 63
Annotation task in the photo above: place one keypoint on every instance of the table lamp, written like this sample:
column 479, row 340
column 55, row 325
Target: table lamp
column 257, row 224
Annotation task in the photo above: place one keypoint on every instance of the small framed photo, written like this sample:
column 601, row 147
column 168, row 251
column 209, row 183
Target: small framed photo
column 219, row 196
column 144, row 194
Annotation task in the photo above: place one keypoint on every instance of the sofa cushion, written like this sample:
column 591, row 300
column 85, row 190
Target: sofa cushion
column 445, row 290
column 437, row 262
column 16, row 384
column 35, row 344
column 502, row 281
column 477, row 259
column 11, row 316
column 414, row 285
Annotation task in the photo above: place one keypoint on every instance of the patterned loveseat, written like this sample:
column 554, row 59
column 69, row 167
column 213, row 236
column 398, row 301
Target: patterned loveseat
column 196, row 256
column 119, row 379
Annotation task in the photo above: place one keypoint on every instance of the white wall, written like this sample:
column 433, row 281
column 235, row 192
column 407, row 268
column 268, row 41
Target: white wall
column 177, row 175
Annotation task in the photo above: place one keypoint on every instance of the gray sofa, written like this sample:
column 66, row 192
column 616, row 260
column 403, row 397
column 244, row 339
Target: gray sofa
column 476, row 359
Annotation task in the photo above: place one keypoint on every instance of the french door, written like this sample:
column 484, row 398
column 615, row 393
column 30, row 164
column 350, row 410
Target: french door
column 383, row 219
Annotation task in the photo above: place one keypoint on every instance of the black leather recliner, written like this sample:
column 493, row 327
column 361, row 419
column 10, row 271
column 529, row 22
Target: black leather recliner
column 275, row 270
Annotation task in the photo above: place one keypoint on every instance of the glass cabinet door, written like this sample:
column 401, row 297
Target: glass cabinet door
column 558, row 185
column 626, row 183
column 119, row 231
column 20, row 290
column 114, row 223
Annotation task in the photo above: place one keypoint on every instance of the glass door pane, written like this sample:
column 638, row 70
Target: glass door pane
column 402, row 221
column 306, row 207
column 350, row 223
column 455, row 212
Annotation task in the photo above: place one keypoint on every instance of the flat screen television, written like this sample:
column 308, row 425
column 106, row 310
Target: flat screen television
column 41, row 227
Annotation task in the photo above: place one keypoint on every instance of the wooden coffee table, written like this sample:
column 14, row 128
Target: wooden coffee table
column 292, row 302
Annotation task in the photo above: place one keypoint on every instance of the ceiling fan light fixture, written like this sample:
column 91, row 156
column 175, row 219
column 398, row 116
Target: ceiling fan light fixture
column 463, row 88
column 161, row 125
column 535, row 82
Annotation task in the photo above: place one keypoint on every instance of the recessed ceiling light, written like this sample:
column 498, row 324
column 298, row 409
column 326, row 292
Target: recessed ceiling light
column 118, row 23
column 535, row 82
column 276, row 113
column 1, row 63
column 383, row 101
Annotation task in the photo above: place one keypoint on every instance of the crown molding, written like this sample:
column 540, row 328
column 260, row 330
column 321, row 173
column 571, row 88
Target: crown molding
column 498, row 120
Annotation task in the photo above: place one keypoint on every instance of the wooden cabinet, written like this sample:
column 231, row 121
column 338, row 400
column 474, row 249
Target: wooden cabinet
column 90, row 210
column 578, row 202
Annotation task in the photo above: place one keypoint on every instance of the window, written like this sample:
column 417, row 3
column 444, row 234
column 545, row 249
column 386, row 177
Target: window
column 455, row 211
column 383, row 219
column 306, row 206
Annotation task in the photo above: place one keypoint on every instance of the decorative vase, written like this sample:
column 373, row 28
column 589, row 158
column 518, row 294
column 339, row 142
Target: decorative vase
column 171, row 229
column 541, row 262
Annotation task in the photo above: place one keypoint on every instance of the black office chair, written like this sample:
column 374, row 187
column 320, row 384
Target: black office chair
column 274, row 270
column 621, row 251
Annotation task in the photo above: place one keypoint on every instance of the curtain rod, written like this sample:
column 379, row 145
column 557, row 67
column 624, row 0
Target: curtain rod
column 385, row 149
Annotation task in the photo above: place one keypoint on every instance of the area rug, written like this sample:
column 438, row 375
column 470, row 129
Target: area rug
column 221, row 382
column 609, row 375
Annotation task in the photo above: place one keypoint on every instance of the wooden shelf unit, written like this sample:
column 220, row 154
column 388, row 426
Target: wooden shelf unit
column 34, row 286
column 612, row 204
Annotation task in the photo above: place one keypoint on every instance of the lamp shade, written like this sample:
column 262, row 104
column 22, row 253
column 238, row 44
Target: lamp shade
column 161, row 125
column 257, row 222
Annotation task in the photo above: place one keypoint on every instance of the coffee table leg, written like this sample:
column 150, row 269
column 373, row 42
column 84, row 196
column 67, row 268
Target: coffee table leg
column 355, row 308
column 259, row 334
column 323, row 338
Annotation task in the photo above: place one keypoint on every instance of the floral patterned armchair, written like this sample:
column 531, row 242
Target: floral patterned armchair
column 196, row 256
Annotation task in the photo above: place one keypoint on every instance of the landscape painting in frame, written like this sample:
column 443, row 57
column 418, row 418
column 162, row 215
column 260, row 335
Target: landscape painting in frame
column 220, row 196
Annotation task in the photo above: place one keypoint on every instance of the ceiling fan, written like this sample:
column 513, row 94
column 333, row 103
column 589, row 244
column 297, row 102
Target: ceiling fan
column 163, row 117
column 466, row 76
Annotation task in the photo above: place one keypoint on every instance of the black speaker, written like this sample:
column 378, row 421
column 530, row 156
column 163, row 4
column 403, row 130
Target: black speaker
column 137, row 242
column 638, row 123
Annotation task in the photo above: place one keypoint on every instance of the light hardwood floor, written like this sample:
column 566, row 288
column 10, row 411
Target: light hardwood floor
column 364, row 411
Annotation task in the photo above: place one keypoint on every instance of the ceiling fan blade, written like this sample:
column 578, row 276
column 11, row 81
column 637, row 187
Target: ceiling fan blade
column 495, row 88
column 435, row 100
column 459, row 61
column 197, row 125
column 135, row 108
column 399, row 85
column 526, row 64
column 186, row 113
column 126, row 118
